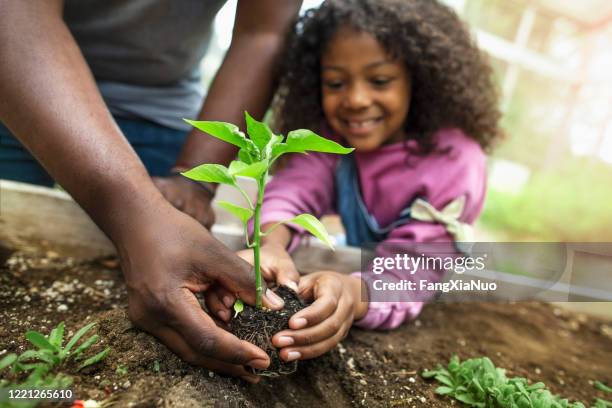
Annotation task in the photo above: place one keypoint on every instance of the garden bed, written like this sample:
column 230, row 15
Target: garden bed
column 39, row 288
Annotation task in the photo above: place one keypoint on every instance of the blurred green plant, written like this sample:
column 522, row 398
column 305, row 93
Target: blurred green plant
column 570, row 203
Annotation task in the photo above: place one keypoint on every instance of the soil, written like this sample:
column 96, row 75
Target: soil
column 258, row 326
column 39, row 288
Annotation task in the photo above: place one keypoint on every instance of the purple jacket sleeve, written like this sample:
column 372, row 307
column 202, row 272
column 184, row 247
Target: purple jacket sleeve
column 464, row 176
column 304, row 185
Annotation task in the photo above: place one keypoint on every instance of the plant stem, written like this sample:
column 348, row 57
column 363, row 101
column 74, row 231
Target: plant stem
column 257, row 239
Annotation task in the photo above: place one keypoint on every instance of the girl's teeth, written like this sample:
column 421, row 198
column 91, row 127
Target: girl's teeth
column 359, row 125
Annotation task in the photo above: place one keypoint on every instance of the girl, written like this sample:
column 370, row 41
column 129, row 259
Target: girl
column 402, row 83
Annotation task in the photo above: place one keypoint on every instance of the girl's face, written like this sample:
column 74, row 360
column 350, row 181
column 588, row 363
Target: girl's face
column 366, row 94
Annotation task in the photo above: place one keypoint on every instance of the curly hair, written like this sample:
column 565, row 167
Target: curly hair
column 451, row 80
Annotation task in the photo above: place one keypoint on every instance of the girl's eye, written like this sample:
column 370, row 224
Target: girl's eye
column 381, row 81
column 333, row 84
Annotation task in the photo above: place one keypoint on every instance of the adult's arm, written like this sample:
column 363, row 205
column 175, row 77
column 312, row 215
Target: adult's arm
column 51, row 103
column 245, row 81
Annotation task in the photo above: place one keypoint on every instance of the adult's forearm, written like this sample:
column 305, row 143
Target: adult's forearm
column 51, row 103
column 245, row 80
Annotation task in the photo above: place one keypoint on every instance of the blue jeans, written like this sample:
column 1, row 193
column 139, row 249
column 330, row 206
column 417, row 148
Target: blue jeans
column 157, row 146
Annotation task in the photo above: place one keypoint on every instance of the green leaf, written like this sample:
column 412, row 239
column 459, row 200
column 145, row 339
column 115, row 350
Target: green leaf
column 212, row 173
column 8, row 360
column 444, row 390
column 303, row 140
column 221, row 130
column 77, row 336
column 244, row 214
column 85, row 345
column 275, row 140
column 57, row 335
column 93, row 360
column 312, row 225
column 255, row 170
column 601, row 386
column 238, row 307
column 258, row 131
column 245, row 157
column 40, row 341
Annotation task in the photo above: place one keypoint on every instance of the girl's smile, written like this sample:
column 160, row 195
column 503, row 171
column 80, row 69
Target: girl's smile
column 365, row 94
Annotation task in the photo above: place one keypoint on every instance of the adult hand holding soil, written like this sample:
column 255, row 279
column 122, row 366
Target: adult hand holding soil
column 276, row 267
column 189, row 197
column 319, row 327
column 164, row 265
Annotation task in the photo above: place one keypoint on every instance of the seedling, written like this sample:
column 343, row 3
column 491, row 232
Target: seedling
column 478, row 383
column 50, row 354
column 257, row 154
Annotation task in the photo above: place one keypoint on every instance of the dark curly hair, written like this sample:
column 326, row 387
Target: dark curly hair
column 451, row 80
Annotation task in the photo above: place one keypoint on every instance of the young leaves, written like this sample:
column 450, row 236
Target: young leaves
column 7, row 361
column 259, row 132
column 244, row 214
column 238, row 307
column 303, row 140
column 211, row 173
column 225, row 131
column 312, row 225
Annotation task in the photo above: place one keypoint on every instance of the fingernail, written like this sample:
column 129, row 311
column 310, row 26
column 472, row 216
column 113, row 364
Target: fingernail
column 228, row 301
column 299, row 322
column 223, row 315
column 258, row 364
column 292, row 285
column 274, row 298
column 293, row 355
column 284, row 341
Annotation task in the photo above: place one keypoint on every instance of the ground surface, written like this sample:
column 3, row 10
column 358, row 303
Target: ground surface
column 38, row 289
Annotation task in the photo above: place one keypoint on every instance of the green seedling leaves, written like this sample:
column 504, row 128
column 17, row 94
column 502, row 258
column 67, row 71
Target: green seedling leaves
column 254, row 171
column 238, row 307
column 40, row 341
column 303, row 140
column 312, row 225
column 7, row 361
column 77, row 336
column 93, row 360
column 85, row 345
column 478, row 383
column 212, row 173
column 221, row 130
column 244, row 214
column 602, row 387
column 258, row 131
column 57, row 335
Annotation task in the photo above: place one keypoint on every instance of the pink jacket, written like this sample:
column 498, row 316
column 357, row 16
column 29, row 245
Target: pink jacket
column 388, row 185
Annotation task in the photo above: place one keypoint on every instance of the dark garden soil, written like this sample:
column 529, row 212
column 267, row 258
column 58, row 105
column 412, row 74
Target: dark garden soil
column 258, row 326
column 39, row 288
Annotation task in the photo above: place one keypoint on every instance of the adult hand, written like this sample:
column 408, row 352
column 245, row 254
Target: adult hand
column 276, row 266
column 187, row 196
column 167, row 259
column 319, row 327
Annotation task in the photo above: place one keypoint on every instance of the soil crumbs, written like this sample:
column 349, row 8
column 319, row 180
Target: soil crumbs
column 39, row 289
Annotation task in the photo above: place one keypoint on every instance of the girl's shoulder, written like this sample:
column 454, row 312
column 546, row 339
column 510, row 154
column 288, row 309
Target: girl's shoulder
column 457, row 144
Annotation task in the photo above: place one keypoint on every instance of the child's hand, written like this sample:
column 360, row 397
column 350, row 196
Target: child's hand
column 319, row 327
column 276, row 266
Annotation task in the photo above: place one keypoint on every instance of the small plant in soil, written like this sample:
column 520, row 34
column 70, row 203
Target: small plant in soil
column 258, row 152
column 478, row 383
column 37, row 368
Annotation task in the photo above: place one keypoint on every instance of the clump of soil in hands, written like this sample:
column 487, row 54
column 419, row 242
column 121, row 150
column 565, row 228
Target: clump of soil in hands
column 257, row 326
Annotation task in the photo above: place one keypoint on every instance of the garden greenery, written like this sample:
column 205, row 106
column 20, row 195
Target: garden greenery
column 257, row 154
column 478, row 383
column 39, row 366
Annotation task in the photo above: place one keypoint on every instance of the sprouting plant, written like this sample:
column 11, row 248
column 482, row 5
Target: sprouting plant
column 257, row 154
column 50, row 353
column 478, row 383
